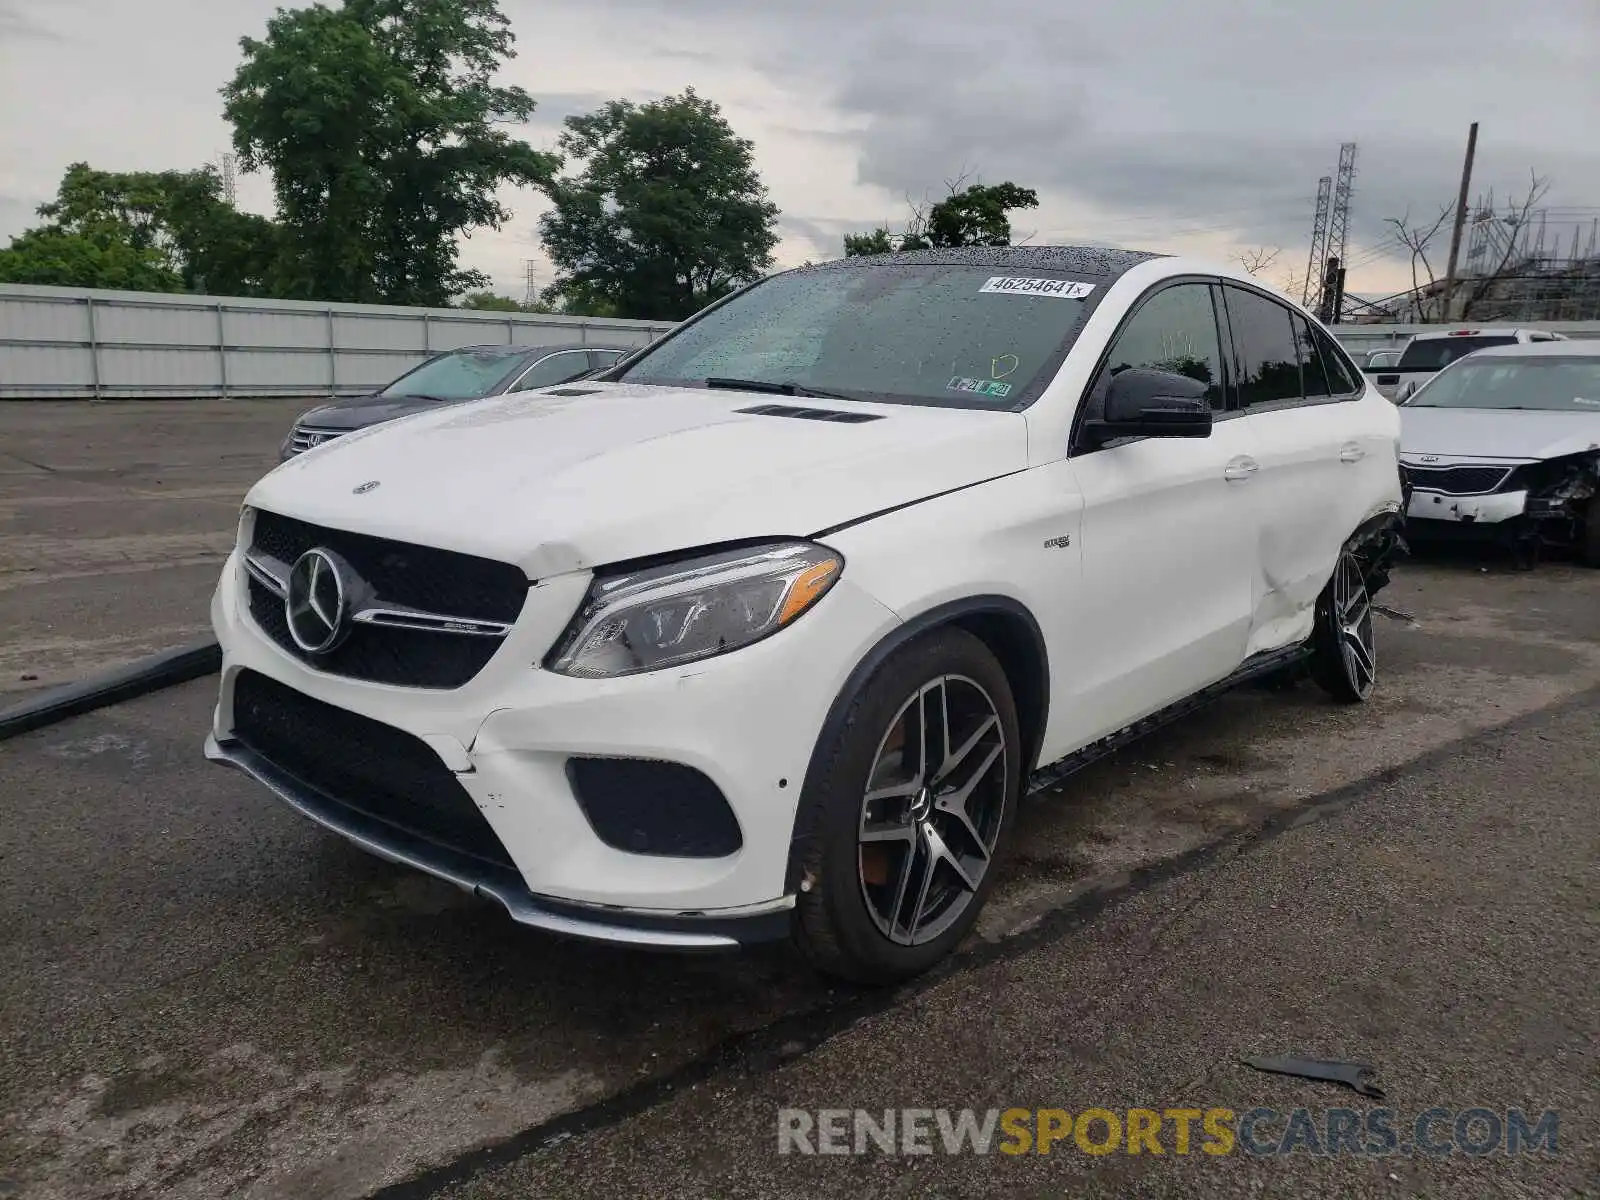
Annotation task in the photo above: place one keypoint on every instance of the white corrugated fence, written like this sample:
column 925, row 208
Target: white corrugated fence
column 78, row 342
column 75, row 343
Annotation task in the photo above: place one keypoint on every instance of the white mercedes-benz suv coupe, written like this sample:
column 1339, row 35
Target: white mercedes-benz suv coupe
column 766, row 631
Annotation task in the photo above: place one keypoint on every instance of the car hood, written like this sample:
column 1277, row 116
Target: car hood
column 559, row 483
column 1496, row 432
column 357, row 412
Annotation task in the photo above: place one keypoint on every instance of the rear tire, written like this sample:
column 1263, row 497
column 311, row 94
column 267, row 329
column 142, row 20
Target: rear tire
column 1344, row 657
column 908, row 818
column 1589, row 535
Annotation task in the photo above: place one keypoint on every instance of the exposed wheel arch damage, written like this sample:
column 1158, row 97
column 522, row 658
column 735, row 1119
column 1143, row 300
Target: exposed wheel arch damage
column 1011, row 633
column 1377, row 543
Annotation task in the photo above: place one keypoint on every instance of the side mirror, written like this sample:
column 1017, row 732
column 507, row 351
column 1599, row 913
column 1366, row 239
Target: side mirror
column 1145, row 403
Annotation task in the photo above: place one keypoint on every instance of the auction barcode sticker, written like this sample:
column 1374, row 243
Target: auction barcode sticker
column 1061, row 289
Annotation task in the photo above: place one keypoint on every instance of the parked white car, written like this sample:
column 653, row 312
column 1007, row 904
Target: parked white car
column 1505, row 445
column 766, row 631
column 1426, row 354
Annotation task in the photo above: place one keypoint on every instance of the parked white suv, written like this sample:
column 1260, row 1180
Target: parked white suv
column 1428, row 353
column 766, row 631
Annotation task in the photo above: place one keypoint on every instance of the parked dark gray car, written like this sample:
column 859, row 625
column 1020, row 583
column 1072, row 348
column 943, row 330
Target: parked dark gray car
column 455, row 377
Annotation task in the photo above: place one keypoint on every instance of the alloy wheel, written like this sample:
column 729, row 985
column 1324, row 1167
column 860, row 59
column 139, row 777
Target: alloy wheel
column 932, row 810
column 1352, row 618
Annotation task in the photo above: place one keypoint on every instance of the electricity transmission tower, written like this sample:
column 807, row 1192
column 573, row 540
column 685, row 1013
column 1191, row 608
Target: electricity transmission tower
column 1323, row 292
column 530, row 293
column 1339, row 215
column 230, row 163
column 1319, row 241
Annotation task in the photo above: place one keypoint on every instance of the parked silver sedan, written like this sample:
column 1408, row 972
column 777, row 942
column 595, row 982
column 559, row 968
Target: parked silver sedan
column 1504, row 444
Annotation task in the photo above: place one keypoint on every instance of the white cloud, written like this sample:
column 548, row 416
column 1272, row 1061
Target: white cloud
column 1174, row 126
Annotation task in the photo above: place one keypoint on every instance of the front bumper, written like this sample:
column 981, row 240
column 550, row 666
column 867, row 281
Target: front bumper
column 721, row 931
column 1432, row 507
column 747, row 720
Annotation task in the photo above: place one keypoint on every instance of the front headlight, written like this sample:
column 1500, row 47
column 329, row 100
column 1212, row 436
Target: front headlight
column 692, row 609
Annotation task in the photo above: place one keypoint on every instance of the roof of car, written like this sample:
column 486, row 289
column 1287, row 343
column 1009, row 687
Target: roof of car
column 1475, row 331
column 1568, row 349
column 519, row 348
column 1079, row 260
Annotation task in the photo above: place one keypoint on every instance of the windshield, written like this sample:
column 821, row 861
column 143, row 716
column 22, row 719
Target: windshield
column 956, row 337
column 464, row 375
column 1550, row 384
column 1432, row 354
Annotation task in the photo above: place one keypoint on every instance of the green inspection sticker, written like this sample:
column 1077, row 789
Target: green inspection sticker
column 981, row 387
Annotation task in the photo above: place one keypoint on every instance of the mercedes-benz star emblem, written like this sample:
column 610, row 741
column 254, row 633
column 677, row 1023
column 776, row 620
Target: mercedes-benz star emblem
column 361, row 489
column 317, row 604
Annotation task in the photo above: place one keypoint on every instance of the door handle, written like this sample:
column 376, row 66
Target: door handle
column 1351, row 453
column 1241, row 468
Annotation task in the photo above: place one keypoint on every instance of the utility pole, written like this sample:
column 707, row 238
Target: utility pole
column 1461, row 220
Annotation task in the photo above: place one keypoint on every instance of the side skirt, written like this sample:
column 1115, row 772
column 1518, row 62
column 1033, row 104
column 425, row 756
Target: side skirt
column 1254, row 668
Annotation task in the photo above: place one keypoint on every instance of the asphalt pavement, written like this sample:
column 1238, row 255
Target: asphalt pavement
column 203, row 995
column 114, row 521
column 1439, row 925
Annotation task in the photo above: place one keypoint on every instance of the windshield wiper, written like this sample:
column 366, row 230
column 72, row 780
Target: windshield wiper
column 776, row 389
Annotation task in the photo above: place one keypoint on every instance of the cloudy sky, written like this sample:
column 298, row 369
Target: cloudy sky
column 1199, row 127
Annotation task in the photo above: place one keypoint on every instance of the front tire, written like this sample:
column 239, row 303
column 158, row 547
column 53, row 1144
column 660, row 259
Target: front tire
column 910, row 812
column 1344, row 656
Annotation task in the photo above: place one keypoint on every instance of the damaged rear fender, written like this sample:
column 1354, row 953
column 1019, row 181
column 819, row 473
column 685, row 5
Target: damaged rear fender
column 1378, row 543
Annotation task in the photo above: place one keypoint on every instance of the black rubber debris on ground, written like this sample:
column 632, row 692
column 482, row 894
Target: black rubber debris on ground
column 151, row 674
column 1356, row 1076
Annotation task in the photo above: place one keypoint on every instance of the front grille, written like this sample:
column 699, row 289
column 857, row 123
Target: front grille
column 1457, row 481
column 305, row 437
column 383, row 654
column 364, row 765
column 442, row 582
column 645, row 806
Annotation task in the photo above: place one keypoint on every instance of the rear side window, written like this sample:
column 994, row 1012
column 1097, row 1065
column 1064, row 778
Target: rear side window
column 1174, row 330
column 1312, row 375
column 1433, row 354
column 557, row 368
column 1343, row 378
column 1263, row 338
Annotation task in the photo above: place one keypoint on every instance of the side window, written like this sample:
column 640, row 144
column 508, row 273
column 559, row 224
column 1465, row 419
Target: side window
column 604, row 358
column 1312, row 375
column 557, row 368
column 1175, row 330
column 1343, row 378
column 1263, row 335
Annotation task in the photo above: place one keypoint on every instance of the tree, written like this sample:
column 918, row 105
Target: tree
column 1428, row 299
column 180, row 216
column 1256, row 259
column 1416, row 238
column 100, row 259
column 666, row 215
column 878, row 241
column 377, row 120
column 154, row 231
column 494, row 302
column 974, row 216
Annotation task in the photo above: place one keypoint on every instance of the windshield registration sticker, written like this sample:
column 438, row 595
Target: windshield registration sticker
column 1061, row 289
column 982, row 387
